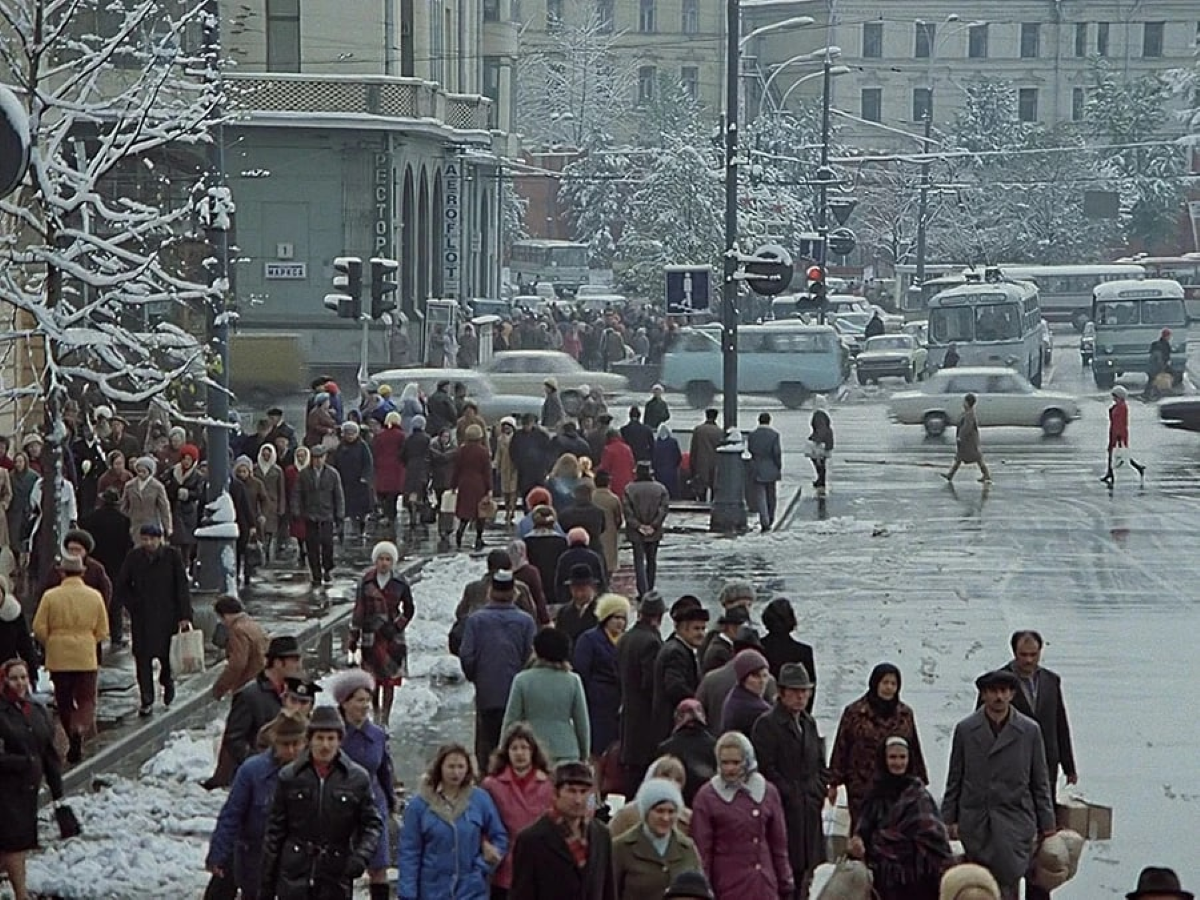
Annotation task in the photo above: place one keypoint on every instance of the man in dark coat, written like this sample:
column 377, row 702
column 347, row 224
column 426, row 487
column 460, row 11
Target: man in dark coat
column 323, row 826
column 583, row 513
column 566, row 853
column 780, row 648
column 657, row 410
column 638, row 436
column 791, row 755
column 569, row 440
column 677, row 666
column 702, row 453
column 253, row 706
column 356, row 467
column 578, row 613
column 153, row 586
column 874, row 327
column 766, row 469
column 598, row 437
column 414, row 456
column 109, row 528
column 637, row 650
column 440, row 409
column 530, row 452
column 997, row 798
column 321, row 503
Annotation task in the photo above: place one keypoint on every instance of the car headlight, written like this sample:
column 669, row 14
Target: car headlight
column 1010, row 360
column 1106, row 349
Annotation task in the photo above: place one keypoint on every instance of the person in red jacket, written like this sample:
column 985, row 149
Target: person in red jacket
column 617, row 460
column 1118, row 433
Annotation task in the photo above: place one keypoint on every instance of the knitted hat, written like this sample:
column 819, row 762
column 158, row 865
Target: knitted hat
column 243, row 460
column 747, row 663
column 578, row 536
column 146, row 462
column 536, row 497
column 418, row 423
column 689, row 886
column 193, row 451
column 655, row 791
column 344, row 684
column 610, row 605
column 958, row 879
column 652, row 604
column 552, row 645
column 318, row 450
column 385, row 548
column 326, row 718
column 350, row 428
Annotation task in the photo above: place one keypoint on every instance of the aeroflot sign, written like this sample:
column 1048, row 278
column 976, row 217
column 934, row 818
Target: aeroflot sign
column 451, row 229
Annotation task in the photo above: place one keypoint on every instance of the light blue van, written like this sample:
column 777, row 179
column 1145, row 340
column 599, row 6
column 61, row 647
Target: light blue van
column 789, row 359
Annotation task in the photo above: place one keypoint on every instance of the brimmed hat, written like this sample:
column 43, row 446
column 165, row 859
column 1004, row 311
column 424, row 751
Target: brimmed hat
column 688, row 609
column 285, row 728
column 151, row 529
column 792, row 675
column 283, row 646
column 326, row 718
column 1157, row 881
column 689, row 886
column 72, row 565
column 573, row 773
column 318, row 450
column 581, row 574
column 1001, row 678
column 735, row 615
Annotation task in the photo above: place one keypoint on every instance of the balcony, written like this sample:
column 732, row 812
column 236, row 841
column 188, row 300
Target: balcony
column 267, row 96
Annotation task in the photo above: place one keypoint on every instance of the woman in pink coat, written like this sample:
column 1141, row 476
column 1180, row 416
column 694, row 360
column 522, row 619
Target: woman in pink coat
column 389, row 470
column 472, row 478
column 520, row 785
column 739, row 829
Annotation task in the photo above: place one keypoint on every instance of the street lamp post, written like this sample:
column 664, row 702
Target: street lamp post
column 824, row 176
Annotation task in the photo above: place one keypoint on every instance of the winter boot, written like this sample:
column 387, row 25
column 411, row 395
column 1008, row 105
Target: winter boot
column 379, row 892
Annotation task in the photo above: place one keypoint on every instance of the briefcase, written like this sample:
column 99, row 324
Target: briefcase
column 1091, row 820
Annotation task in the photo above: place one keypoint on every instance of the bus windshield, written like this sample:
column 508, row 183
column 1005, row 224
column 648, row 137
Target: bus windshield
column 982, row 323
column 576, row 257
column 1164, row 311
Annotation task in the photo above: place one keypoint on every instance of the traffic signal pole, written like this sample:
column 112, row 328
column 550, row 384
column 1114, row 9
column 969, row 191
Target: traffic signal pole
column 823, row 174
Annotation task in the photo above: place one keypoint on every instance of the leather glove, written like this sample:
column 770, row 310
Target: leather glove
column 355, row 867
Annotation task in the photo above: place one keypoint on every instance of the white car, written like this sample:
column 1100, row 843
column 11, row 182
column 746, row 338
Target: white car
column 1005, row 398
column 493, row 405
column 523, row 371
column 891, row 355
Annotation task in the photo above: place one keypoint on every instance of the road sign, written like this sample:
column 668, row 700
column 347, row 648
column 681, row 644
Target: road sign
column 687, row 289
column 841, row 207
column 810, row 246
column 14, row 141
column 842, row 242
column 771, row 273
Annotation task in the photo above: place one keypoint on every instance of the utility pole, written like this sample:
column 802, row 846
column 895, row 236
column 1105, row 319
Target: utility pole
column 824, row 176
column 923, row 201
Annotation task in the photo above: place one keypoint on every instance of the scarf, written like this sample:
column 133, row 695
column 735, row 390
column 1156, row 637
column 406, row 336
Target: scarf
column 753, row 784
column 884, row 709
column 266, row 459
column 906, row 838
column 660, row 844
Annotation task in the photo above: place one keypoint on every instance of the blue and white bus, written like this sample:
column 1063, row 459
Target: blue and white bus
column 994, row 323
column 1129, row 317
column 563, row 264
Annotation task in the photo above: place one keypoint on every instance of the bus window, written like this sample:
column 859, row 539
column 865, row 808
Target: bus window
column 951, row 324
column 1117, row 312
column 695, row 342
column 997, row 322
column 1162, row 312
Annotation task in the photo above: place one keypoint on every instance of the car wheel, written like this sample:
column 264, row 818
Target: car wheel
column 793, row 394
column 936, row 424
column 1054, row 423
column 1104, row 380
column 700, row 394
column 1087, row 360
column 862, row 379
column 910, row 375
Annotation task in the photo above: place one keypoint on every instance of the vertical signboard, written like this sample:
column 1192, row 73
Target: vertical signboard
column 451, row 228
column 381, row 188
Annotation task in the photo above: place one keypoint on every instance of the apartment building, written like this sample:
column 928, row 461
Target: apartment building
column 909, row 60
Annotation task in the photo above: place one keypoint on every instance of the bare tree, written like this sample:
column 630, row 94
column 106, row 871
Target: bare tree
column 101, row 255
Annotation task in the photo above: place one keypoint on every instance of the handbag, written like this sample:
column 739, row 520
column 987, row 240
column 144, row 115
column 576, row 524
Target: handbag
column 487, row 508
column 187, row 652
column 68, row 822
column 253, row 557
column 611, row 777
column 851, row 880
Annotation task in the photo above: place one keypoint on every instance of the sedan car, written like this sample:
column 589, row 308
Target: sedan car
column 1182, row 413
column 524, row 371
column 1005, row 398
column 894, row 355
column 853, row 327
column 493, row 406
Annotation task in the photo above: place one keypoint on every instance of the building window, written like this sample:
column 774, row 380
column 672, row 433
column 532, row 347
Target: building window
column 922, row 104
column 605, row 15
column 689, row 80
column 872, row 40
column 1152, row 39
column 1081, row 39
column 283, row 35
column 1102, row 39
column 1078, row 100
column 691, row 17
column 554, row 14
column 491, row 10
column 647, row 81
column 646, row 17
column 491, row 87
column 871, row 104
column 977, row 41
column 1031, row 40
column 926, row 33
column 1027, row 104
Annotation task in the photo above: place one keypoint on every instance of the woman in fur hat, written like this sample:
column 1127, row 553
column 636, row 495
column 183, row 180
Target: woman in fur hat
column 383, row 607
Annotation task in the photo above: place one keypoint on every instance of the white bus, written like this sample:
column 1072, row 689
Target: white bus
column 563, row 264
column 1184, row 269
column 1065, row 292
column 995, row 323
column 1129, row 317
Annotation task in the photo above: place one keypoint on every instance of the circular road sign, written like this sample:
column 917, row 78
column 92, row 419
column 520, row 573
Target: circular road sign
column 842, row 242
column 773, row 273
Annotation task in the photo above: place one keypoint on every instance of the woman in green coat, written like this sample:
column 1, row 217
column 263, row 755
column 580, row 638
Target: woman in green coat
column 549, row 697
column 650, row 854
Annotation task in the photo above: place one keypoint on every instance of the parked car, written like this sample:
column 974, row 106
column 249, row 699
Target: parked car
column 523, row 372
column 853, row 327
column 1005, row 397
column 919, row 330
column 1182, row 413
column 891, row 355
column 1087, row 344
column 493, row 406
column 840, row 304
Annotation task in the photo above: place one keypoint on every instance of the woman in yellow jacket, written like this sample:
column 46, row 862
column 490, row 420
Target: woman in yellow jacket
column 70, row 622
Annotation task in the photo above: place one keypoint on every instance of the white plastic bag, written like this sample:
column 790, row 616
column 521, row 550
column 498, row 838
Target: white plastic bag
column 187, row 652
column 449, row 502
column 1120, row 457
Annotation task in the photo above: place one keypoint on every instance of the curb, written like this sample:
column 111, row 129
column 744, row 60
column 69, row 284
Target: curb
column 79, row 777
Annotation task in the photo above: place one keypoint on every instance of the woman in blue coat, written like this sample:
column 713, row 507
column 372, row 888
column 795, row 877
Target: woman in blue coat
column 234, row 850
column 667, row 460
column 453, row 838
column 367, row 744
column 595, row 662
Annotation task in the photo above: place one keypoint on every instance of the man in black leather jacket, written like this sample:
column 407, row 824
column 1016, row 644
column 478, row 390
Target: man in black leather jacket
column 323, row 825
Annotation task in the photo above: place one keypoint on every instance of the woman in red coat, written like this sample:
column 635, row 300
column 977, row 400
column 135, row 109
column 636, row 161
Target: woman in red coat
column 472, row 478
column 617, row 461
column 1118, row 433
column 389, row 470
column 291, row 475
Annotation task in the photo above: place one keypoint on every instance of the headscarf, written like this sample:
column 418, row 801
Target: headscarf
column 749, row 760
column 518, row 554
column 687, row 712
column 819, row 401
column 266, row 458
column 411, row 391
column 887, row 785
column 881, row 707
column 300, row 466
column 664, row 431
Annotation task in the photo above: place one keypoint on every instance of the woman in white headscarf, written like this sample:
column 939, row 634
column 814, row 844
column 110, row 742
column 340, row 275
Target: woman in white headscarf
column 668, row 457
column 410, row 405
column 821, row 440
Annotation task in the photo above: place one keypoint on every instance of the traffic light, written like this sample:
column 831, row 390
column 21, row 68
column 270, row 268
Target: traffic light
column 347, row 279
column 384, row 282
column 814, row 300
